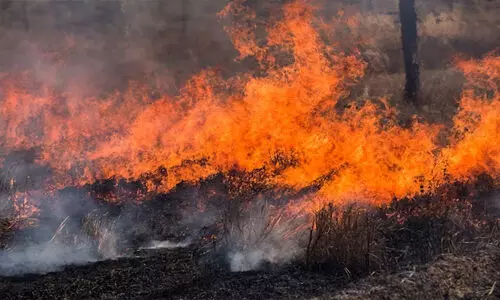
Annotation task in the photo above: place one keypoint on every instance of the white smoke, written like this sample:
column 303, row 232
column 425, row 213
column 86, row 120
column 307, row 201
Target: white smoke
column 61, row 250
column 53, row 244
column 167, row 245
column 44, row 258
column 265, row 234
column 493, row 202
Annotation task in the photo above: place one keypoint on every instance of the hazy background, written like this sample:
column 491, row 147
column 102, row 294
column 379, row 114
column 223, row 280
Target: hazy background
column 100, row 45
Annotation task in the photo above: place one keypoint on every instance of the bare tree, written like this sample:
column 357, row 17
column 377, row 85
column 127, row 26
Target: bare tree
column 408, row 18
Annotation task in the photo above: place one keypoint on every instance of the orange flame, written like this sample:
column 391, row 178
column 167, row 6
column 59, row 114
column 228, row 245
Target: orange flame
column 284, row 121
column 25, row 209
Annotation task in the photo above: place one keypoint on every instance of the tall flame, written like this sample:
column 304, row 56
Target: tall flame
column 285, row 121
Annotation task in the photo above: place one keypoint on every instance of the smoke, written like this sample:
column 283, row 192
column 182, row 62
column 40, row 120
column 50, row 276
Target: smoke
column 44, row 258
column 69, row 228
column 263, row 234
column 90, row 48
column 493, row 203
column 70, row 245
column 167, row 245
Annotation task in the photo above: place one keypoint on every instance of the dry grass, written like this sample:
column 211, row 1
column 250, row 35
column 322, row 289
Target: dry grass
column 257, row 234
column 344, row 240
column 6, row 209
column 356, row 240
column 6, row 230
column 101, row 228
column 477, row 23
column 470, row 30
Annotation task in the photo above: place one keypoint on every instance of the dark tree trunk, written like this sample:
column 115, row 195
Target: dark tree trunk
column 408, row 18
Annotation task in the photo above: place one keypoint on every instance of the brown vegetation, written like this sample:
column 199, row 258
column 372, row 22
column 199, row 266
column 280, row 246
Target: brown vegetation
column 360, row 240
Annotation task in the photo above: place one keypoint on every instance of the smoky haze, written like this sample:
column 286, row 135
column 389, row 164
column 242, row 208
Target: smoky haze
column 96, row 46
column 89, row 47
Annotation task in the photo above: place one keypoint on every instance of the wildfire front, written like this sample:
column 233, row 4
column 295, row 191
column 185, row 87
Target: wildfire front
column 248, row 149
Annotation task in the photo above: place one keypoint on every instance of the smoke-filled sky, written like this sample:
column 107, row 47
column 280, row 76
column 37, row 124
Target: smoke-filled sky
column 103, row 44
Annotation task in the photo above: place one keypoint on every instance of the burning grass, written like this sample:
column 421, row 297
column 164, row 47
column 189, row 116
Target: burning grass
column 242, row 123
column 359, row 240
column 260, row 169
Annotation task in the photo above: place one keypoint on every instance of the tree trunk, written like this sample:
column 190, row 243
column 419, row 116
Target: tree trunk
column 408, row 18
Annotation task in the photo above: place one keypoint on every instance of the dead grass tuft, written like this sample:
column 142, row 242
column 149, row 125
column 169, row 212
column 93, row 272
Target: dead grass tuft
column 344, row 240
column 356, row 240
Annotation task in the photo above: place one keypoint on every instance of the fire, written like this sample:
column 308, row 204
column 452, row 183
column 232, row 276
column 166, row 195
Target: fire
column 475, row 150
column 25, row 209
column 285, row 122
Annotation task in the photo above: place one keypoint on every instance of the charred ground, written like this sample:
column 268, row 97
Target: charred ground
column 413, row 248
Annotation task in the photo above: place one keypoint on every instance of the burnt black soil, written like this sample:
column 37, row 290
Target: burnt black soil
column 175, row 274
column 422, row 270
column 165, row 274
